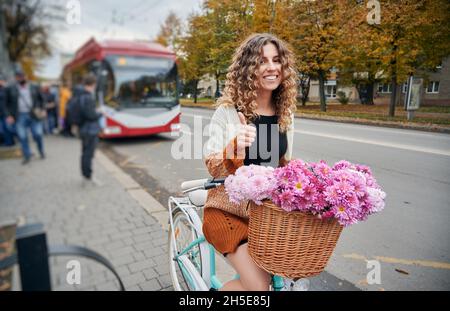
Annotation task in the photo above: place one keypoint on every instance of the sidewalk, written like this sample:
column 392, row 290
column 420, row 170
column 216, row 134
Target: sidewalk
column 107, row 219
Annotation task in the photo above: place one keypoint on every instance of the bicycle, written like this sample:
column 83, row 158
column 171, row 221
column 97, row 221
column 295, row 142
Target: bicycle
column 191, row 258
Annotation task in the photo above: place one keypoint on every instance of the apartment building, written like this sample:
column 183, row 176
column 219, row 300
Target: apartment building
column 436, row 88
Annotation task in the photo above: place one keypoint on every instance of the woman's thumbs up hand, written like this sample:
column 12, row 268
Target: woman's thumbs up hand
column 242, row 118
column 246, row 135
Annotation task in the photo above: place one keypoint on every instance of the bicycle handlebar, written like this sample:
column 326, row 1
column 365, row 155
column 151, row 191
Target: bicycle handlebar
column 193, row 183
column 201, row 184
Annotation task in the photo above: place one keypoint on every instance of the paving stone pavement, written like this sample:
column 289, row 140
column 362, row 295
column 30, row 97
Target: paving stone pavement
column 106, row 219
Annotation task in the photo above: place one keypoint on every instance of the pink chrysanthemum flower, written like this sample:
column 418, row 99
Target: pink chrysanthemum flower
column 250, row 183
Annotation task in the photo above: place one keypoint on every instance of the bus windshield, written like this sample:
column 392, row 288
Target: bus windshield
column 142, row 81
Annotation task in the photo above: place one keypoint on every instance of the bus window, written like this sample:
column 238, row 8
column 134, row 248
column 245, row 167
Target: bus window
column 143, row 81
column 108, row 86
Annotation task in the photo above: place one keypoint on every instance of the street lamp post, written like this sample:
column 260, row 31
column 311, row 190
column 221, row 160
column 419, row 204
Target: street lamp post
column 413, row 96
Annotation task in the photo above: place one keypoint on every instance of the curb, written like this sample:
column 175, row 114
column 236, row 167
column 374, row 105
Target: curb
column 142, row 197
column 424, row 128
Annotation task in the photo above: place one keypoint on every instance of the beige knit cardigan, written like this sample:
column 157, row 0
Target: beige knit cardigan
column 221, row 156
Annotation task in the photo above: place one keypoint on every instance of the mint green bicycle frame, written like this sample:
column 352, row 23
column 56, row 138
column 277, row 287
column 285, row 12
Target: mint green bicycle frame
column 277, row 281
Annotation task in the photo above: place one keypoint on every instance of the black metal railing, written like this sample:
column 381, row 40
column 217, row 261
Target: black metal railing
column 32, row 256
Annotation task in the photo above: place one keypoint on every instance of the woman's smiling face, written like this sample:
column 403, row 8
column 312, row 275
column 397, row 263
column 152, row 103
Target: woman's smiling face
column 270, row 71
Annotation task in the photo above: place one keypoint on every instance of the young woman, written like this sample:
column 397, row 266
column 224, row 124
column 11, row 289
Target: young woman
column 261, row 88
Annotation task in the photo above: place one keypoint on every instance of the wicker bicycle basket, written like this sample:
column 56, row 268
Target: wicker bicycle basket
column 290, row 244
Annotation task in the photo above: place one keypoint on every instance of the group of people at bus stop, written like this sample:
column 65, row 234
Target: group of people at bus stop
column 14, row 99
column 43, row 109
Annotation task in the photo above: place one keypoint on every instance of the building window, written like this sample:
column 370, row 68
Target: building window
column 384, row 88
column 404, row 87
column 433, row 87
column 330, row 91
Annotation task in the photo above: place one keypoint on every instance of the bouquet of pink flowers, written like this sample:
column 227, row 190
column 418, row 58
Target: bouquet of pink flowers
column 345, row 191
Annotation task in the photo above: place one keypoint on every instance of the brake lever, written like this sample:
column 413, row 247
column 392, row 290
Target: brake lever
column 213, row 183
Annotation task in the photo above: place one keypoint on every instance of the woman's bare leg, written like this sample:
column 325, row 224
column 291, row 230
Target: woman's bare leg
column 233, row 285
column 252, row 277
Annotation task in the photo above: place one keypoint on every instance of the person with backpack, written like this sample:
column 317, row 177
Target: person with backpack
column 25, row 109
column 87, row 116
column 72, row 113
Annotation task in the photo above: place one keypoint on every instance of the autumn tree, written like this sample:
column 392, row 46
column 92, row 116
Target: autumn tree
column 5, row 63
column 221, row 26
column 312, row 28
column 304, row 84
column 170, row 32
column 194, row 48
column 229, row 22
column 27, row 32
column 359, row 53
column 414, row 35
column 263, row 15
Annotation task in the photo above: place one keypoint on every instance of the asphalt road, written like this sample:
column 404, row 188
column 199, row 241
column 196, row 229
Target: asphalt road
column 409, row 239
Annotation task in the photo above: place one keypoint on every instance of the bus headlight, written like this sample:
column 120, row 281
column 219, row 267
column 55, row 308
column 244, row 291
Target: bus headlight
column 175, row 127
column 112, row 130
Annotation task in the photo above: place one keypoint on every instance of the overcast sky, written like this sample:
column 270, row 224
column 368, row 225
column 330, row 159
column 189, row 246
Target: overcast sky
column 110, row 19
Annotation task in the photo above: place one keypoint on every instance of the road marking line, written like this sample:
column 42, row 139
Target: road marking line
column 362, row 141
column 368, row 127
column 378, row 143
column 194, row 115
column 423, row 263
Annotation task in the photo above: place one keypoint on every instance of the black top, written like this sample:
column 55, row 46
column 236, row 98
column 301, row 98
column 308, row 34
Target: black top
column 90, row 117
column 49, row 98
column 269, row 146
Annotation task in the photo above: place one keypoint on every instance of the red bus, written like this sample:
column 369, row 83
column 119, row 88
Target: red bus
column 137, row 84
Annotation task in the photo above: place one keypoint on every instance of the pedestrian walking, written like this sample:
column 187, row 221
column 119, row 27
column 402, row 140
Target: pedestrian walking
column 64, row 96
column 50, row 106
column 89, row 127
column 7, row 130
column 25, row 108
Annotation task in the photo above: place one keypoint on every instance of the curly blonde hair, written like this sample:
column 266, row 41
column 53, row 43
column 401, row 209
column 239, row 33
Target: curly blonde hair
column 242, row 79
